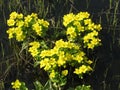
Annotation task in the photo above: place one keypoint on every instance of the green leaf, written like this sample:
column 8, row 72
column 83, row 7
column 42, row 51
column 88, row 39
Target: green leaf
column 48, row 85
column 23, row 86
column 36, row 63
column 38, row 85
column 83, row 87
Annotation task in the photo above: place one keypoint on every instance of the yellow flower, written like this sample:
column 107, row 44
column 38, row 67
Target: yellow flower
column 48, row 63
column 91, row 26
column 59, row 43
column 20, row 16
column 79, row 57
column 52, row 74
column 98, row 27
column 43, row 23
column 37, row 28
column 52, row 61
column 89, row 62
column 76, row 71
column 82, row 69
column 27, row 20
column 76, row 23
column 82, row 15
column 34, row 48
column 50, row 52
column 13, row 15
column 34, row 15
column 35, row 44
column 47, row 67
column 65, row 72
column 44, row 62
column 87, row 21
column 19, row 34
column 80, row 28
column 11, row 22
column 67, row 19
column 90, row 36
column 19, row 23
column 61, row 61
column 11, row 32
column 16, row 84
column 71, row 32
column 93, row 43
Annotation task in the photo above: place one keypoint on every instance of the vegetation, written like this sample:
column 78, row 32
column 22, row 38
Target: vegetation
column 19, row 60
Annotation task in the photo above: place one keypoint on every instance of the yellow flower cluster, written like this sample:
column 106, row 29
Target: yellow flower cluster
column 16, row 84
column 15, row 22
column 39, row 26
column 13, row 17
column 91, row 39
column 23, row 27
column 63, row 54
column 82, row 70
column 68, row 19
column 81, row 26
column 34, row 48
column 81, row 32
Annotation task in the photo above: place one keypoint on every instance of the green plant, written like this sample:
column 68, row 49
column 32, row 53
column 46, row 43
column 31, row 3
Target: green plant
column 17, row 85
column 57, row 57
column 83, row 87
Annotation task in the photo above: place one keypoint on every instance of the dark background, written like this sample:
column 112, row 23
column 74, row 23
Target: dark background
column 107, row 70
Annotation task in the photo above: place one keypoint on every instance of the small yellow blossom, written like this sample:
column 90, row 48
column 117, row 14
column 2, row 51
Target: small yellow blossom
column 44, row 62
column 20, row 23
column 79, row 57
column 65, row 72
column 34, row 48
column 27, row 20
column 35, row 43
column 98, row 27
column 13, row 15
column 61, row 61
column 80, row 28
column 59, row 43
column 37, row 28
column 11, row 32
column 34, row 15
column 50, row 52
column 16, row 84
column 89, row 62
column 93, row 43
column 91, row 26
column 90, row 36
column 67, row 19
column 82, row 69
column 82, row 15
column 43, row 23
column 19, row 34
column 87, row 21
column 52, row 74
column 20, row 16
column 71, row 32
column 11, row 22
